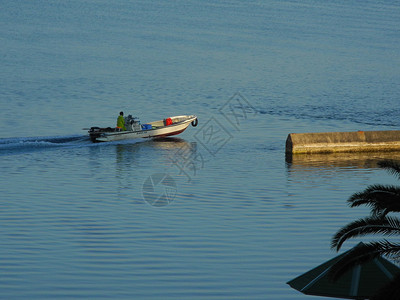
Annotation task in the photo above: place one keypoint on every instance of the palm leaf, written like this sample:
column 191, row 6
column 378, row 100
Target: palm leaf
column 388, row 249
column 391, row 166
column 380, row 198
column 370, row 225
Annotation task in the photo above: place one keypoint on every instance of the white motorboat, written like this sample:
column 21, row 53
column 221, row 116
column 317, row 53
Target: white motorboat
column 167, row 127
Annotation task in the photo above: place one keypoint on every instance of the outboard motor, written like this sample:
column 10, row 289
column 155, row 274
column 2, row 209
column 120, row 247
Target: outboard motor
column 131, row 123
column 94, row 133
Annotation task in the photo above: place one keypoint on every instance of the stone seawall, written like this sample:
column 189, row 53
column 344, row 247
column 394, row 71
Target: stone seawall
column 356, row 141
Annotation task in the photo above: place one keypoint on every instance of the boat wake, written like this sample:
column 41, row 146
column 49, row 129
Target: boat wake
column 16, row 145
column 31, row 144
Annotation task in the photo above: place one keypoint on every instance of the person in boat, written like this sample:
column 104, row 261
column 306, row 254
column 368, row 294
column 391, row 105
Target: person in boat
column 121, row 121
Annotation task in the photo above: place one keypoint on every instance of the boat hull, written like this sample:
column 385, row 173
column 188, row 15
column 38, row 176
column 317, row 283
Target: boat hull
column 179, row 124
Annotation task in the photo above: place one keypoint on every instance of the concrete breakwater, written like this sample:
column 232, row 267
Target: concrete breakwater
column 330, row 142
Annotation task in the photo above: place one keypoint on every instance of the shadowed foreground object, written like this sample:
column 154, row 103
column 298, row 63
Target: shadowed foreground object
column 329, row 142
column 361, row 282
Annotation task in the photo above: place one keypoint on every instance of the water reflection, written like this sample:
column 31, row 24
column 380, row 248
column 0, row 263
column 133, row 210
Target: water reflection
column 332, row 168
column 366, row 160
column 134, row 162
column 171, row 143
column 132, row 159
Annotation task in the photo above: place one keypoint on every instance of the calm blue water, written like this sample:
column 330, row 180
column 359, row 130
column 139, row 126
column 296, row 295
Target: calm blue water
column 216, row 213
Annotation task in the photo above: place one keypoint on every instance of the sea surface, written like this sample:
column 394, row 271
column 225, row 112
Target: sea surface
column 217, row 212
